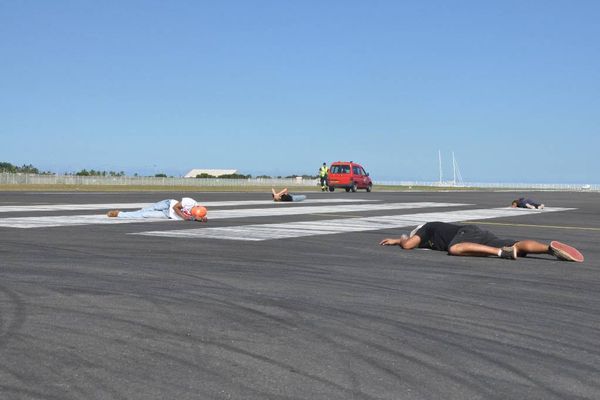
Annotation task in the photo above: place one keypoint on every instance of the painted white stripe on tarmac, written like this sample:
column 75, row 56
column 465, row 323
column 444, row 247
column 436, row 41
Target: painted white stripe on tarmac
column 127, row 206
column 274, row 210
column 260, row 232
column 332, row 209
column 66, row 220
column 69, row 207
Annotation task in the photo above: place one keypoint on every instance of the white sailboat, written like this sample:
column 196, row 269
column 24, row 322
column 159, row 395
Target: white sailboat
column 457, row 179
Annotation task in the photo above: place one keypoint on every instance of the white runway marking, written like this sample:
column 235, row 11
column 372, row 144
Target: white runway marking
column 274, row 210
column 340, row 208
column 260, row 232
column 69, row 207
column 127, row 206
column 66, row 220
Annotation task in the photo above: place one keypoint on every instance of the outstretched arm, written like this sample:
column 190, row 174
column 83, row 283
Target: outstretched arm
column 403, row 241
column 277, row 195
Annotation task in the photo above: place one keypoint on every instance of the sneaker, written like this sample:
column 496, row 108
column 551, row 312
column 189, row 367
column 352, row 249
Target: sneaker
column 565, row 252
column 113, row 213
column 509, row 253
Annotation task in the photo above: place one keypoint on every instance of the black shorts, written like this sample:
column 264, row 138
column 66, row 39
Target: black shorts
column 474, row 234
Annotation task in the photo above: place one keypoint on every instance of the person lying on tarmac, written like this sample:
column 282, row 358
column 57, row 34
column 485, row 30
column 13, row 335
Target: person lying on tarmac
column 283, row 195
column 168, row 209
column 522, row 202
column 470, row 240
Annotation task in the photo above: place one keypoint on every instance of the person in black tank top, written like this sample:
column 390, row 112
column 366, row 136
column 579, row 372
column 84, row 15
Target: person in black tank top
column 470, row 240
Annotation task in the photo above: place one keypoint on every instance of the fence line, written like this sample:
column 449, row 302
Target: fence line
column 488, row 185
column 33, row 179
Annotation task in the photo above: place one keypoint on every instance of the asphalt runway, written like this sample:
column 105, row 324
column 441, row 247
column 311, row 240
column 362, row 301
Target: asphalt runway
column 294, row 301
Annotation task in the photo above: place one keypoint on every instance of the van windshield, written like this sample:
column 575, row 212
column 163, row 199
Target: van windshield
column 340, row 169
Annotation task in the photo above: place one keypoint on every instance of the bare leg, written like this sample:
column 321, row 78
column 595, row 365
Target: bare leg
column 525, row 247
column 473, row 249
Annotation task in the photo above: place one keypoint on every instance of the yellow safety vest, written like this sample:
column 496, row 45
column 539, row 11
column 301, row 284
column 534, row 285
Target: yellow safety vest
column 323, row 171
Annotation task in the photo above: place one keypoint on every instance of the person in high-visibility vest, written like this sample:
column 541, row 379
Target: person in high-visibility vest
column 323, row 171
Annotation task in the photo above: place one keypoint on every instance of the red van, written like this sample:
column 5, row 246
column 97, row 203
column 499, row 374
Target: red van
column 348, row 175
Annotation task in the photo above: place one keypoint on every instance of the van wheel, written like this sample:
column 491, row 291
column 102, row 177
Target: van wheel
column 347, row 189
column 331, row 188
column 353, row 187
column 369, row 188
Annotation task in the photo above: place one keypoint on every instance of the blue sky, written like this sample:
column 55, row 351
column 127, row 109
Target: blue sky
column 278, row 87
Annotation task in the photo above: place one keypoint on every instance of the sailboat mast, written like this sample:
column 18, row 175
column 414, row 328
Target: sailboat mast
column 440, row 164
column 453, row 169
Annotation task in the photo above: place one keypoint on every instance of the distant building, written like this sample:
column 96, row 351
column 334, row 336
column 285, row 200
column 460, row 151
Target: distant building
column 212, row 172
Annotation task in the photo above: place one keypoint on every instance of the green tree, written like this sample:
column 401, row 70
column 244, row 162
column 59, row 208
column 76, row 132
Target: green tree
column 235, row 176
column 7, row 167
column 28, row 169
column 24, row 169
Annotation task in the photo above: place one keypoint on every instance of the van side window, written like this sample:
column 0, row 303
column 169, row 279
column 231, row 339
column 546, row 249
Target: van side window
column 356, row 170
